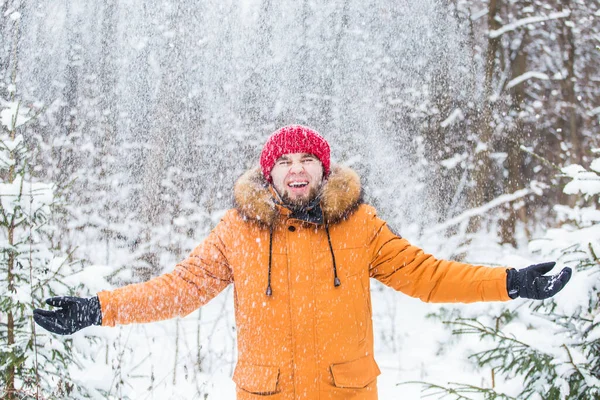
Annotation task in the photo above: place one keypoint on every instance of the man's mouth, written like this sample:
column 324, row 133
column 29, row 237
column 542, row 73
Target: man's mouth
column 299, row 184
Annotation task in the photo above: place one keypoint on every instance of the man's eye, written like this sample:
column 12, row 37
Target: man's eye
column 308, row 160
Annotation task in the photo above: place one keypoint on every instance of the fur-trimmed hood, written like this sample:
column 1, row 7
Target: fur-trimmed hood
column 341, row 194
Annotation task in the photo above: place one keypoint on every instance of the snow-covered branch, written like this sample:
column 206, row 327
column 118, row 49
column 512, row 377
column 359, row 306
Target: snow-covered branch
column 506, row 198
column 456, row 115
column 526, row 21
column 526, row 76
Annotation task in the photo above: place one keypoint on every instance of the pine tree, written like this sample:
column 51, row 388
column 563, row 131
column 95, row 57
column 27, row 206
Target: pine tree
column 33, row 364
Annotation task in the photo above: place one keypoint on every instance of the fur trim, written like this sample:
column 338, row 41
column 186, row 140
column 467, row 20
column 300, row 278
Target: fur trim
column 253, row 199
column 341, row 195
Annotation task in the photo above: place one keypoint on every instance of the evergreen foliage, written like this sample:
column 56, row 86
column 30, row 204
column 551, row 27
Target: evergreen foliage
column 33, row 364
column 557, row 356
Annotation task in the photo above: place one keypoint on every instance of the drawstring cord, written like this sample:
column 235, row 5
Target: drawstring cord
column 269, row 290
column 336, row 280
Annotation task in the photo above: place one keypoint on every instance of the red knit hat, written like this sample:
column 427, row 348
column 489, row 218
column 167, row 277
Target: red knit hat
column 293, row 139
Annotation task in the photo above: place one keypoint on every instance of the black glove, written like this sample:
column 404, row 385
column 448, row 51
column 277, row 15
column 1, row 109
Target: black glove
column 75, row 313
column 530, row 282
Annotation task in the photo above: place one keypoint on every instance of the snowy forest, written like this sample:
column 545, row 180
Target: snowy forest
column 474, row 125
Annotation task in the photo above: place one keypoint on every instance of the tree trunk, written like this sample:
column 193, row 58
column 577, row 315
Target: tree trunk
column 172, row 109
column 570, row 124
column 514, row 161
column 108, row 81
column 482, row 182
column 12, row 175
column 4, row 46
column 328, row 114
column 10, row 370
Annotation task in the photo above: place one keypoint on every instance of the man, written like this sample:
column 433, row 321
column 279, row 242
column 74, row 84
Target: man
column 300, row 247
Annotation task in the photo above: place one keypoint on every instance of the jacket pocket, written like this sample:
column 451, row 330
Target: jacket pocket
column 257, row 379
column 355, row 374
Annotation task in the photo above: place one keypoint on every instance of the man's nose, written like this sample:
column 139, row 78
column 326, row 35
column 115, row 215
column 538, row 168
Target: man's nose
column 296, row 167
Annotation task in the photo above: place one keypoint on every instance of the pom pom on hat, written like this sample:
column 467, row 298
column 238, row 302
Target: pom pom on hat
column 294, row 139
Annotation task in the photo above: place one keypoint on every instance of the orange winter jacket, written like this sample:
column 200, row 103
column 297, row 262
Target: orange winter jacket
column 309, row 339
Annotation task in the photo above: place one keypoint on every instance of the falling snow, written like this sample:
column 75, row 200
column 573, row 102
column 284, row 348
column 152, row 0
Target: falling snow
column 142, row 114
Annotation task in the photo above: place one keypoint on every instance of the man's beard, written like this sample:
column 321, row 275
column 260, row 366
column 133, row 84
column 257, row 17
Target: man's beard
column 302, row 202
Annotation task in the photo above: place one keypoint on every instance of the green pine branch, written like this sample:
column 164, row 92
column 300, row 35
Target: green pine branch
column 458, row 391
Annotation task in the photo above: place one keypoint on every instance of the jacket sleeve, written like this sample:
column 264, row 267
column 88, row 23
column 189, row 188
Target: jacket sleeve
column 404, row 267
column 193, row 282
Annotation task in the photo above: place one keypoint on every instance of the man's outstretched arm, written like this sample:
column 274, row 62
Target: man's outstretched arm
column 407, row 268
column 195, row 281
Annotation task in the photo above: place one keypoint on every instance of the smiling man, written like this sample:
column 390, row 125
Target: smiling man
column 300, row 248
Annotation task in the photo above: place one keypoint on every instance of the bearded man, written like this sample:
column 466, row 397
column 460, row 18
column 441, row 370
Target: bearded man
column 300, row 248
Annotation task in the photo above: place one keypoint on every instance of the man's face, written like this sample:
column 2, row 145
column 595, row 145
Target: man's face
column 297, row 178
